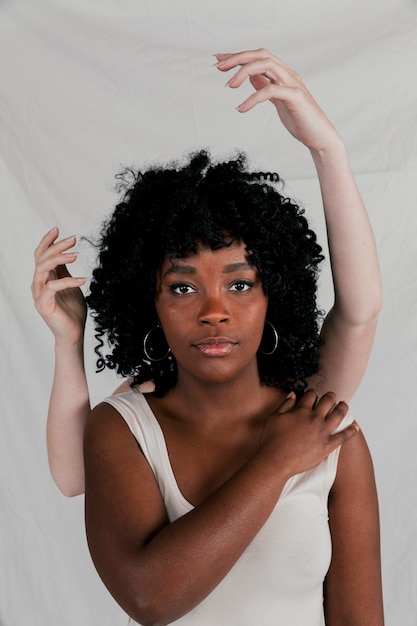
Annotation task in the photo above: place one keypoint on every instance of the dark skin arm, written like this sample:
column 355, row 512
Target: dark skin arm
column 353, row 590
column 140, row 555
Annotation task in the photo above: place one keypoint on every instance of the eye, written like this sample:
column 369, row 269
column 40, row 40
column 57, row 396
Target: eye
column 182, row 288
column 242, row 285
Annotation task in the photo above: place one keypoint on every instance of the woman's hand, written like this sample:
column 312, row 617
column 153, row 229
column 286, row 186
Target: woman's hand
column 57, row 295
column 299, row 436
column 274, row 81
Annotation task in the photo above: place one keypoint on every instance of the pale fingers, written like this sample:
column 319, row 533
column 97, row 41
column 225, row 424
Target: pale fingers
column 44, row 297
column 233, row 59
column 271, row 92
column 49, row 256
column 269, row 68
column 49, row 246
column 69, row 282
column 46, row 241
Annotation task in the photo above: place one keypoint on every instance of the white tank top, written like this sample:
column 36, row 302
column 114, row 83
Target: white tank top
column 278, row 580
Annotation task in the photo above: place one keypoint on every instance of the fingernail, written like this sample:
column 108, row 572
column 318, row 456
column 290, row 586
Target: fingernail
column 52, row 229
column 68, row 239
column 356, row 426
column 69, row 253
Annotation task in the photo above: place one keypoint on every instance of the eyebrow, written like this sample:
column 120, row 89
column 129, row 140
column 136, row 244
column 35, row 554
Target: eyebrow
column 234, row 267
column 190, row 269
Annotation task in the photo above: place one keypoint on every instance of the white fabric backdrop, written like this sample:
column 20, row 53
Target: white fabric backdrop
column 87, row 86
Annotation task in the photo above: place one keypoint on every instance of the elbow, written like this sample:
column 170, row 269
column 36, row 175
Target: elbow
column 68, row 492
column 148, row 619
column 154, row 612
column 375, row 301
column 373, row 313
column 376, row 305
column 68, row 488
column 372, row 307
column 159, row 607
column 364, row 316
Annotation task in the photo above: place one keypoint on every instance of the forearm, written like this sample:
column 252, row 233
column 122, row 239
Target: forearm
column 353, row 255
column 68, row 410
column 188, row 558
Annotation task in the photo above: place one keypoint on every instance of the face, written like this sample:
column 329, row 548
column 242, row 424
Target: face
column 212, row 308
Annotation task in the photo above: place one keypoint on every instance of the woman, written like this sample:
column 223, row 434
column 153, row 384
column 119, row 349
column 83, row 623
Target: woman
column 220, row 514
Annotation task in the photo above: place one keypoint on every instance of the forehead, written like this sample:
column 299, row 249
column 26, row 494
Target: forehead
column 233, row 257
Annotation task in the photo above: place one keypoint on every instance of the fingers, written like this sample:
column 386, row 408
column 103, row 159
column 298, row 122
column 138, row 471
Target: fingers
column 271, row 78
column 51, row 257
column 326, row 408
column 332, row 412
column 289, row 403
column 273, row 93
column 270, row 69
column 348, row 433
column 227, row 61
column 256, row 62
column 46, row 241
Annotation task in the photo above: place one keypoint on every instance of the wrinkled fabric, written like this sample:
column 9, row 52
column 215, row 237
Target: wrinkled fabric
column 87, row 87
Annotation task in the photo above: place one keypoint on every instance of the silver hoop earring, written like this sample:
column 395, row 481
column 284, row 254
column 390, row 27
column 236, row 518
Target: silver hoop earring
column 275, row 338
column 148, row 350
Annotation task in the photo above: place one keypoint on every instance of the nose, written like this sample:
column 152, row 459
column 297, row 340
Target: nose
column 214, row 311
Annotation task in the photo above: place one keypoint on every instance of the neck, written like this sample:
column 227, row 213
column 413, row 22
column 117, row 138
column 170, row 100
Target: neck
column 226, row 401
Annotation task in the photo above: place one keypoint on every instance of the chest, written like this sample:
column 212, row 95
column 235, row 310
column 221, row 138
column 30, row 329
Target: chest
column 202, row 461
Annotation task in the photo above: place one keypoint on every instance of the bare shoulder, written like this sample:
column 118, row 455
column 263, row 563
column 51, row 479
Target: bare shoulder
column 122, row 494
column 353, row 589
column 355, row 467
column 108, row 445
column 105, row 426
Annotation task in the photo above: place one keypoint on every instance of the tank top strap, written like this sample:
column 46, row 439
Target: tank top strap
column 144, row 426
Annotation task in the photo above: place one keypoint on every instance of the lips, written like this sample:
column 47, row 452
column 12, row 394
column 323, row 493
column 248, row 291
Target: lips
column 215, row 346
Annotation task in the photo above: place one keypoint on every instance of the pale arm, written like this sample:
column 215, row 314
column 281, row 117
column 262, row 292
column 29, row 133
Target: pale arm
column 350, row 326
column 69, row 407
column 68, row 411
column 59, row 301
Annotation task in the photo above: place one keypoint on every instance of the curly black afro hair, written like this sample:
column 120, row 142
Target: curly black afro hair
column 170, row 210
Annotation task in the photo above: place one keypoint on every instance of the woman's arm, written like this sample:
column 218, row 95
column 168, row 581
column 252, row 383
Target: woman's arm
column 350, row 326
column 58, row 299
column 353, row 589
column 149, row 564
column 60, row 302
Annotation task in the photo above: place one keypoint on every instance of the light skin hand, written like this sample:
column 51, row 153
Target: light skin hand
column 56, row 294
column 276, row 82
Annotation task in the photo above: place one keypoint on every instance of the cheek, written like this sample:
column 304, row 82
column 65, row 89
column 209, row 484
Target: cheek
column 256, row 312
column 173, row 322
